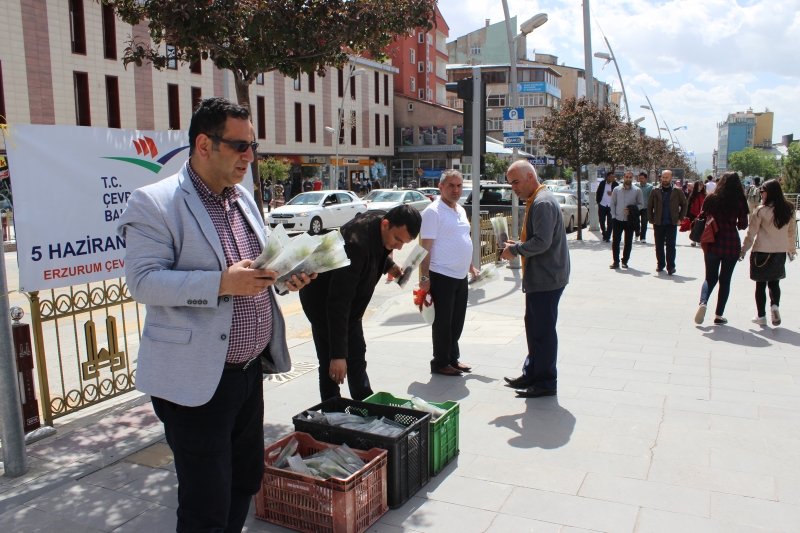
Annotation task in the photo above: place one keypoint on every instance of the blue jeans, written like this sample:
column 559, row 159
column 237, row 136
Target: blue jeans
column 541, row 315
column 718, row 269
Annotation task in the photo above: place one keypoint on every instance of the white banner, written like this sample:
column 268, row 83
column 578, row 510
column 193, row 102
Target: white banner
column 71, row 184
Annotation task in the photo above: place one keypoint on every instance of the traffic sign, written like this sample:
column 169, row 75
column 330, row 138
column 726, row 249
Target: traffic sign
column 514, row 114
column 513, row 128
column 513, row 142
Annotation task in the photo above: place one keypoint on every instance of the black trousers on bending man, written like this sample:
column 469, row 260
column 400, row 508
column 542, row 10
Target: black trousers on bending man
column 450, row 297
column 357, row 377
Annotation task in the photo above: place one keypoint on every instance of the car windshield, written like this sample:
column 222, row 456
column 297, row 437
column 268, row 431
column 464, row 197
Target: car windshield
column 385, row 196
column 465, row 192
column 306, row 198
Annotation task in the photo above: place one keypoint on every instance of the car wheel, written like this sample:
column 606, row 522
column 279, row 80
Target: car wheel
column 315, row 228
column 585, row 221
column 571, row 224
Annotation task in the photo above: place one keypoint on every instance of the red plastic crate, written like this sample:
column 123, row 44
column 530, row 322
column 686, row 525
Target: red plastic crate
column 304, row 503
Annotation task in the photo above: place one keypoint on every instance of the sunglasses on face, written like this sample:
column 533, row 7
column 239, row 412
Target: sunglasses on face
column 241, row 147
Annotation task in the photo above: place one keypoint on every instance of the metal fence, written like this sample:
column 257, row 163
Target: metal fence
column 488, row 242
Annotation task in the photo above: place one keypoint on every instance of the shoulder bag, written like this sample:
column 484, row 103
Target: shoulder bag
column 697, row 228
column 767, row 266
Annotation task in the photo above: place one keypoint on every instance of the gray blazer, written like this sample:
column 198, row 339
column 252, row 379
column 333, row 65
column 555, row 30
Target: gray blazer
column 173, row 263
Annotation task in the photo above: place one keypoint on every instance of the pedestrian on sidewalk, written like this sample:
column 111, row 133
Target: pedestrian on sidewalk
column 646, row 189
column 545, row 273
column 710, row 185
column 666, row 208
column 603, row 197
column 696, row 199
column 728, row 209
column 335, row 303
column 772, row 235
column 626, row 202
column 210, row 319
column 446, row 235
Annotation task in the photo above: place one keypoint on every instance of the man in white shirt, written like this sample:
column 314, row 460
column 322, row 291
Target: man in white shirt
column 445, row 234
column 710, row 185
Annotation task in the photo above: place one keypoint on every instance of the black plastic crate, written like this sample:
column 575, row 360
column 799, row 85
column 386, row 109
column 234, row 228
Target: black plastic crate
column 408, row 452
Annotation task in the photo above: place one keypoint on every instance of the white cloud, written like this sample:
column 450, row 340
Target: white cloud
column 644, row 80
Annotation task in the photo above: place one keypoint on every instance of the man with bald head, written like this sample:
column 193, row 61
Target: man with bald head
column 666, row 207
column 545, row 273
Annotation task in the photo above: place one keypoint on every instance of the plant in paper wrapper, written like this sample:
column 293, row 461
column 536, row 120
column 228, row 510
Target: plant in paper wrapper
column 412, row 262
column 500, row 227
column 276, row 241
column 293, row 254
column 487, row 273
column 329, row 255
column 424, row 301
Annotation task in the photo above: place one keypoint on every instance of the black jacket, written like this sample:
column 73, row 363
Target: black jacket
column 633, row 219
column 339, row 298
column 601, row 189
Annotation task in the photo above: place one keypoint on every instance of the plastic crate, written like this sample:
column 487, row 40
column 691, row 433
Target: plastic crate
column 305, row 503
column 407, row 462
column 444, row 430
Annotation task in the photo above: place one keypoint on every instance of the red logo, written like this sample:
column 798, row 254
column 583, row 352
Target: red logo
column 146, row 146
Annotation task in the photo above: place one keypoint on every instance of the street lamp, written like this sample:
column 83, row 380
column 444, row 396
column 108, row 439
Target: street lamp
column 638, row 121
column 609, row 58
column 353, row 73
column 649, row 107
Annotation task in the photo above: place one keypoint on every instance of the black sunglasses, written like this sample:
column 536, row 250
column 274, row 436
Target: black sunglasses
column 241, row 147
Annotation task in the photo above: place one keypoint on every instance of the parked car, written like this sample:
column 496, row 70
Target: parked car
column 574, row 192
column 465, row 192
column 318, row 210
column 495, row 199
column 430, row 192
column 569, row 209
column 386, row 199
column 558, row 184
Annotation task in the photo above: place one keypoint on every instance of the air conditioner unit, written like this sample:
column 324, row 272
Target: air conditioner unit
column 411, row 107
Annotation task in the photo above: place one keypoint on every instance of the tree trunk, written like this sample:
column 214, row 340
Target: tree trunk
column 243, row 99
column 580, row 226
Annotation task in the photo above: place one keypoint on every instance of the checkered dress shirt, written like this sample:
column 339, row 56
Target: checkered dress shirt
column 251, row 328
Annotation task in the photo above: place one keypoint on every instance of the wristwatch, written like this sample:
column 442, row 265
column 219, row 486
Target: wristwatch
column 424, row 278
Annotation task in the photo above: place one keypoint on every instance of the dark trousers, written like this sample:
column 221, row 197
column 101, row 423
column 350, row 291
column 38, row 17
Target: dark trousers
column 357, row 378
column 665, row 241
column 621, row 227
column 605, row 221
column 761, row 295
column 219, row 452
column 718, row 269
column 450, row 304
column 541, row 315
column 643, row 224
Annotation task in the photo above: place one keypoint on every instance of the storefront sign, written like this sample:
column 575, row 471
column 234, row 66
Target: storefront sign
column 353, row 162
column 315, row 160
column 440, row 148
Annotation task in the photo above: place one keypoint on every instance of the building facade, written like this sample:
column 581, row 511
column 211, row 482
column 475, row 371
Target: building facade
column 741, row 130
column 485, row 46
column 421, row 59
column 60, row 63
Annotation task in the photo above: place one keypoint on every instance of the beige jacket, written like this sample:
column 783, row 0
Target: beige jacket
column 767, row 237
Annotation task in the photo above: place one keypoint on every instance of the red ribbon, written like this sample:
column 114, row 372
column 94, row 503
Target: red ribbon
column 422, row 298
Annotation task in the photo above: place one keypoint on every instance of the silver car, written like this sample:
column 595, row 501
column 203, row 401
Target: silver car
column 386, row 199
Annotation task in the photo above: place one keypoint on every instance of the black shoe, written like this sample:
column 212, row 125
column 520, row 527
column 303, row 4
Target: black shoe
column 659, row 269
column 624, row 264
column 535, row 392
column 613, row 266
column 720, row 321
column 517, row 383
column 671, row 271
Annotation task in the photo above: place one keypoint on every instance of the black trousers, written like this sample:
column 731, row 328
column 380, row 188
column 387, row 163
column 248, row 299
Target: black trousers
column 357, row 378
column 718, row 270
column 450, row 297
column 665, row 242
column 643, row 224
column 761, row 295
column 541, row 315
column 621, row 227
column 219, row 452
column 605, row 221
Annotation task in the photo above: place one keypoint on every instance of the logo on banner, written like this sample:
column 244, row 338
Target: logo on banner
column 147, row 146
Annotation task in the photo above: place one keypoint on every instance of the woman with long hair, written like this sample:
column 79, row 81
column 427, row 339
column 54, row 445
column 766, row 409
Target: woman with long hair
column 773, row 229
column 726, row 208
column 696, row 199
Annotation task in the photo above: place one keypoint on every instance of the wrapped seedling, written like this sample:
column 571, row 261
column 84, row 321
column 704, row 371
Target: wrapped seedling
column 329, row 255
column 500, row 227
column 424, row 302
column 421, row 405
column 293, row 254
column 283, row 457
column 412, row 263
column 487, row 273
column 276, row 241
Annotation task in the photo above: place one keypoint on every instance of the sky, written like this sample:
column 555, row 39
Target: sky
column 697, row 60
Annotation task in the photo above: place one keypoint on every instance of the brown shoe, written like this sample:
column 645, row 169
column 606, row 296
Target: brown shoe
column 447, row 371
column 462, row 367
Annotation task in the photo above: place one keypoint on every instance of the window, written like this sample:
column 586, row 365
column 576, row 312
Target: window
column 341, row 130
column 430, row 39
column 494, row 124
column 352, row 87
column 174, row 105
column 109, row 32
column 297, row 86
column 413, row 56
column 112, row 102
column 260, row 79
column 197, row 97
column 385, row 89
column 496, row 100
column 421, row 94
column 413, row 84
column 312, row 123
column 353, row 128
column 77, row 27
column 312, row 82
column 377, row 87
column 344, row 198
column 475, row 49
column 386, row 130
column 83, row 116
column 430, row 94
column 298, row 122
column 494, row 77
column 421, row 66
column 340, row 73
column 430, row 66
column 3, row 119
column 172, row 61
column 261, row 111
column 377, row 129
column 196, row 67
column 421, row 38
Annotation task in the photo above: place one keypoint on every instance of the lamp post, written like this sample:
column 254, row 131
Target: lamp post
column 638, row 121
column 609, row 58
column 649, row 107
column 353, row 73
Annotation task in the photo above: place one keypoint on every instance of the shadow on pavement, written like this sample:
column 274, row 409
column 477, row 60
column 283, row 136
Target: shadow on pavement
column 779, row 334
column 455, row 387
column 731, row 335
column 544, row 424
column 630, row 271
column 674, row 278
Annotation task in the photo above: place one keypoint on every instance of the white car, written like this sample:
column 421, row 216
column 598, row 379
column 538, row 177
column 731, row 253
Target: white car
column 556, row 183
column 569, row 209
column 386, row 199
column 317, row 210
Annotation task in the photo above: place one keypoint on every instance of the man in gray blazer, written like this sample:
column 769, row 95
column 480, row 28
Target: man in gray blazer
column 189, row 241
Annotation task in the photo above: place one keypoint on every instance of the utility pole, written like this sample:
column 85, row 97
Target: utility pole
column 589, row 79
column 512, row 52
column 478, row 103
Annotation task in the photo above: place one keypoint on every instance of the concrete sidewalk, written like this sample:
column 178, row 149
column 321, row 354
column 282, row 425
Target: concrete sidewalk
column 659, row 425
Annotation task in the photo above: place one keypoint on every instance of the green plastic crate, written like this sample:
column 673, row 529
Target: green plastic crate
column 444, row 431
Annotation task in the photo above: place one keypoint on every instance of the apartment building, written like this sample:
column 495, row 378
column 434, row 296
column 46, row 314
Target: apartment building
column 741, row 130
column 60, row 63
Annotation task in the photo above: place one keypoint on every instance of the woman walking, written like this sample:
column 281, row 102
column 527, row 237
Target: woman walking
column 773, row 229
column 727, row 209
column 696, row 199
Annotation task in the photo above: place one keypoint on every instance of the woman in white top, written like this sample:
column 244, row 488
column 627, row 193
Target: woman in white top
column 773, row 228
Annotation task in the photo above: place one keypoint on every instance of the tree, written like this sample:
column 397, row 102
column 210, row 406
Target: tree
column 495, row 166
column 791, row 169
column 753, row 162
column 250, row 37
column 549, row 172
column 621, row 141
column 574, row 134
column 273, row 169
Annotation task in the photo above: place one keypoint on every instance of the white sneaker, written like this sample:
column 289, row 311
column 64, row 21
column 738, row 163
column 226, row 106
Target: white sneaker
column 776, row 315
column 701, row 314
column 760, row 320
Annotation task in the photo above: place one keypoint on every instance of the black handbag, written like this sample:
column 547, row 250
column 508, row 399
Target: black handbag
column 767, row 266
column 697, row 228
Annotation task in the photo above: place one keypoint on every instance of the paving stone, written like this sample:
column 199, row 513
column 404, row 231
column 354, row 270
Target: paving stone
column 157, row 486
column 117, row 475
column 157, row 519
column 430, row 516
